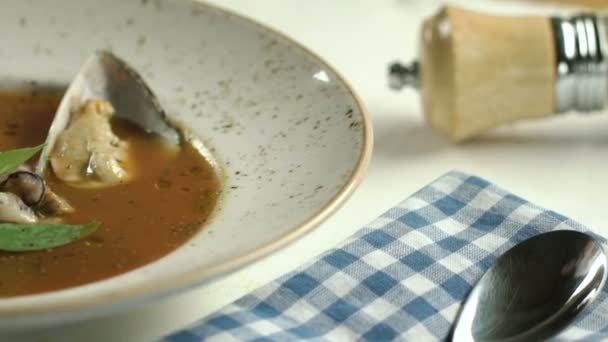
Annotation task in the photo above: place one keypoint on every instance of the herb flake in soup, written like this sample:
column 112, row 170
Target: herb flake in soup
column 167, row 201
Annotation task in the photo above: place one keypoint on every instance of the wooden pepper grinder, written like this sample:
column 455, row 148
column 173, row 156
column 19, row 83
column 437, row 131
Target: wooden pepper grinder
column 479, row 71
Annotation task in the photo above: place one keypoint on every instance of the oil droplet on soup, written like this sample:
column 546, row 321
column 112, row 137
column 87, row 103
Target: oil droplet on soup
column 168, row 201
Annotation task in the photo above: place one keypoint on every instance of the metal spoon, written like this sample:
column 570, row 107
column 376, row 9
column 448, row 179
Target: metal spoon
column 534, row 290
column 105, row 76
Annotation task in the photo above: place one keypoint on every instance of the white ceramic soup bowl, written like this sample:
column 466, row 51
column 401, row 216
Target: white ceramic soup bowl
column 292, row 138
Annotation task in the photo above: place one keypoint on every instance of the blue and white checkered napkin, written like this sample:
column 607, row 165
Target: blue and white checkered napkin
column 402, row 277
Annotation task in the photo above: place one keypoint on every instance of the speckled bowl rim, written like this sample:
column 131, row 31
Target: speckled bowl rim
column 91, row 306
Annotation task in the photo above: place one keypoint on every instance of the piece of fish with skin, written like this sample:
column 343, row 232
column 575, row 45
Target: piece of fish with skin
column 12, row 209
column 29, row 186
column 33, row 190
column 53, row 204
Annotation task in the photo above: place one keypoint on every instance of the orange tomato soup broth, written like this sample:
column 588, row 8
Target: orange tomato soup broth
column 170, row 198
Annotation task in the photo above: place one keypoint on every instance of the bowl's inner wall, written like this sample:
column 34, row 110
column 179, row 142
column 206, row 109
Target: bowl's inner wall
column 286, row 130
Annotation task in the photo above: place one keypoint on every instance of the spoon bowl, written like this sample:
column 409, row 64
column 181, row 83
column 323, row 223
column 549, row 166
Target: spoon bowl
column 534, row 290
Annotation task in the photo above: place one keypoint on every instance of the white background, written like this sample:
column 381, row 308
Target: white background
column 559, row 163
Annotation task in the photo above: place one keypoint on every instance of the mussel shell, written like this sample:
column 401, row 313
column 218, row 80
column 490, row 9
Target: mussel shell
column 105, row 76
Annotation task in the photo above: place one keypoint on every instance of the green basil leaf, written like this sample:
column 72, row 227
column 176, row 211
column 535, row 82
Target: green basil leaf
column 36, row 236
column 11, row 160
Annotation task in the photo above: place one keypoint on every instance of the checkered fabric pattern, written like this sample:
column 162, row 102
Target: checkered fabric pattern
column 402, row 277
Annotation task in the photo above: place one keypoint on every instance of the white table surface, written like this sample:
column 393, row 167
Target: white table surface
column 559, row 164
